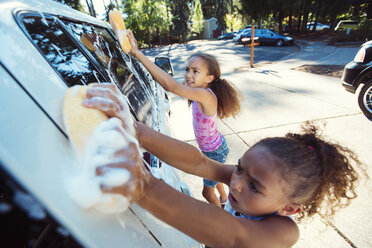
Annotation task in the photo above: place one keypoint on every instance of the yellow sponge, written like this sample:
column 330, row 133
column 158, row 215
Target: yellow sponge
column 80, row 121
column 117, row 23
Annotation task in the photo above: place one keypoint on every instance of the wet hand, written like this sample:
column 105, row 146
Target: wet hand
column 107, row 98
column 128, row 158
column 132, row 40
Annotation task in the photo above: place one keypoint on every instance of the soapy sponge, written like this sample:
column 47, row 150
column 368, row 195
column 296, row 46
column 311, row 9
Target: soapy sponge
column 117, row 23
column 95, row 139
column 80, row 121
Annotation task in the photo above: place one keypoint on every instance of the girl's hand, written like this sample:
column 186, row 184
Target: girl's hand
column 128, row 158
column 134, row 51
column 107, row 98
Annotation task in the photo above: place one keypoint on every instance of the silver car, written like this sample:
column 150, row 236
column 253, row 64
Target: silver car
column 45, row 48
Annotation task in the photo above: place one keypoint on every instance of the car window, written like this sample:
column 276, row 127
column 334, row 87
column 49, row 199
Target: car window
column 123, row 70
column 61, row 53
column 102, row 47
column 101, row 60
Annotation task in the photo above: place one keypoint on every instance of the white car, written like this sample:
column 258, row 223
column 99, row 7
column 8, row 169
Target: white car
column 45, row 48
column 319, row 26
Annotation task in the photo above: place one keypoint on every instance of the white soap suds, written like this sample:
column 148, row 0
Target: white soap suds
column 84, row 186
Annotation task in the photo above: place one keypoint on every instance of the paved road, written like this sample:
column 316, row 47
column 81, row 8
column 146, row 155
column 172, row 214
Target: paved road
column 278, row 99
column 225, row 51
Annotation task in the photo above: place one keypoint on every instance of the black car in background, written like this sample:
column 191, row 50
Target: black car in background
column 226, row 36
column 358, row 74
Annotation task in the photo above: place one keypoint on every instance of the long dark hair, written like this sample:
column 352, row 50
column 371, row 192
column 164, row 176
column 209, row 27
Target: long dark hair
column 228, row 96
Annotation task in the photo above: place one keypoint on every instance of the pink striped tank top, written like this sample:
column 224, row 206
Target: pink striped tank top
column 205, row 128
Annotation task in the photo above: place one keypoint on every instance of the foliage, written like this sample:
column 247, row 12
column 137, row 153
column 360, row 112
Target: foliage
column 147, row 18
column 217, row 9
column 233, row 22
column 197, row 18
column 164, row 21
column 75, row 4
column 221, row 12
column 302, row 11
column 209, row 8
column 181, row 13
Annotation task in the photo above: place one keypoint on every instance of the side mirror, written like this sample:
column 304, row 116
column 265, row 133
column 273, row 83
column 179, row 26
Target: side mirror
column 165, row 64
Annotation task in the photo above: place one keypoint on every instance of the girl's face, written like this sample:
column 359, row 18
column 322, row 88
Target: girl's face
column 197, row 74
column 256, row 186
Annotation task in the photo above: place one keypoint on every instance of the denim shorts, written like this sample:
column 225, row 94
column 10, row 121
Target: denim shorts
column 220, row 155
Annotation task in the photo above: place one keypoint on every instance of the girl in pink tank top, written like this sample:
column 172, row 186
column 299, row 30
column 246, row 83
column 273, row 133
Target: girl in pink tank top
column 211, row 97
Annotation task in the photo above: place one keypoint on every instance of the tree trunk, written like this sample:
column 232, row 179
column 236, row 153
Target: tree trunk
column 300, row 17
column 290, row 22
column 148, row 37
column 369, row 11
column 91, row 8
column 280, row 19
column 316, row 21
column 305, row 15
column 333, row 21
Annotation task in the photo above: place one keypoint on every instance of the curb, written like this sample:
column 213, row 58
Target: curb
column 349, row 43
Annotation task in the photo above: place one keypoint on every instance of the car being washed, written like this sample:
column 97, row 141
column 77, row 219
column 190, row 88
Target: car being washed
column 46, row 48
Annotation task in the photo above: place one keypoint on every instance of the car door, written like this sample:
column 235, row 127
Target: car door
column 264, row 36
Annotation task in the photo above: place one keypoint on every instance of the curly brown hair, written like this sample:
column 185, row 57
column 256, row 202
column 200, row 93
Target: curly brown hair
column 319, row 173
column 228, row 96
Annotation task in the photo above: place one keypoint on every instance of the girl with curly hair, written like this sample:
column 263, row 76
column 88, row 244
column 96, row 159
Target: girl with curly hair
column 277, row 180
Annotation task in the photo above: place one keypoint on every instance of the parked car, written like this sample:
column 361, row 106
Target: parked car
column 319, row 26
column 267, row 36
column 238, row 36
column 347, row 24
column 248, row 26
column 358, row 75
column 226, row 36
column 45, row 48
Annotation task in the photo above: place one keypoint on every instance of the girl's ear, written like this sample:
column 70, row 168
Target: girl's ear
column 210, row 79
column 290, row 209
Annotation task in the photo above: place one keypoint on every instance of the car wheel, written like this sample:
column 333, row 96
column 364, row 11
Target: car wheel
column 365, row 99
column 279, row 43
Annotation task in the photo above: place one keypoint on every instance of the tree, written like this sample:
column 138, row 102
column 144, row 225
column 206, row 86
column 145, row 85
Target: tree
column 220, row 15
column 108, row 8
column 209, row 8
column 197, row 18
column 75, row 4
column 233, row 22
column 257, row 9
column 217, row 9
column 181, row 13
column 147, row 18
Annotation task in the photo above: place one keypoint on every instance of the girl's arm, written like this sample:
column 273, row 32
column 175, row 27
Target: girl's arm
column 108, row 99
column 182, row 155
column 168, row 82
column 212, row 225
